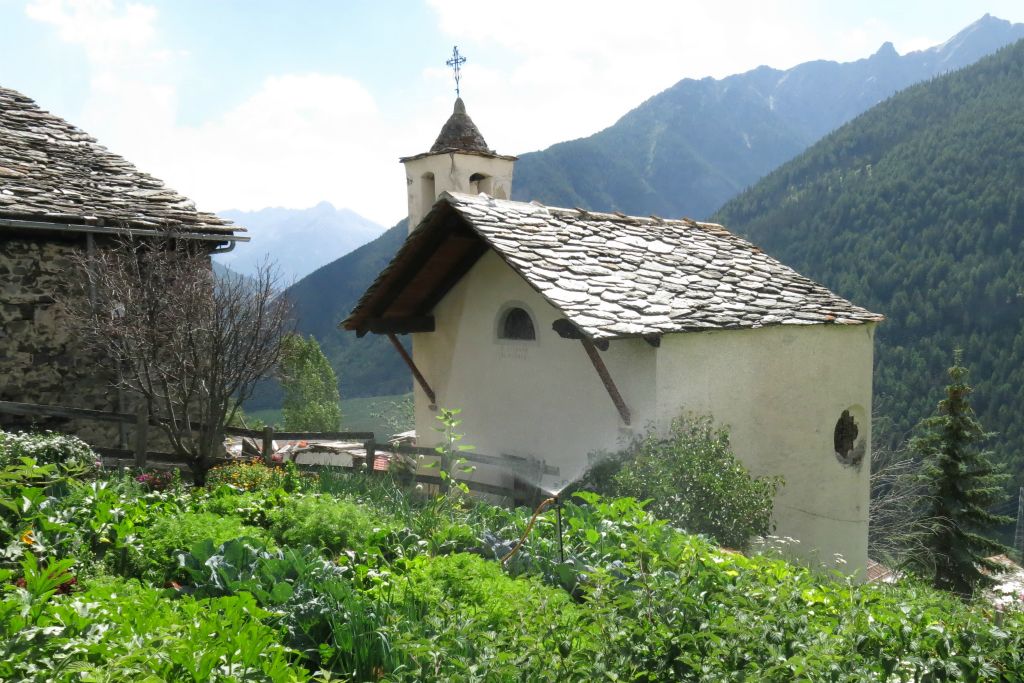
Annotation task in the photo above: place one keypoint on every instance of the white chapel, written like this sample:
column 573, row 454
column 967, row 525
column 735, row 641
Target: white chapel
column 563, row 333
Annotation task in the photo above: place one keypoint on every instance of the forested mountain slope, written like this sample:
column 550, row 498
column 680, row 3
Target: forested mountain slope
column 687, row 150
column 367, row 366
column 916, row 210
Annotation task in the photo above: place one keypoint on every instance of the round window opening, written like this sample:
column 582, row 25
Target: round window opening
column 517, row 324
column 848, row 451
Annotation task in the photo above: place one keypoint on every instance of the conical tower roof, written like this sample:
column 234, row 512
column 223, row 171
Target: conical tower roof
column 460, row 134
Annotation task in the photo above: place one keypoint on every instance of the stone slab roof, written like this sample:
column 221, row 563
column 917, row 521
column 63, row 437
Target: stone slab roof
column 459, row 135
column 615, row 276
column 51, row 171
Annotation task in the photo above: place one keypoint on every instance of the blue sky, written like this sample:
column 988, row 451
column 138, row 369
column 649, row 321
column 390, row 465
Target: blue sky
column 252, row 103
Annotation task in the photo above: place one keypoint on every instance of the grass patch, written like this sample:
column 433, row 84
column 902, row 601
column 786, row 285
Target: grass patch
column 382, row 415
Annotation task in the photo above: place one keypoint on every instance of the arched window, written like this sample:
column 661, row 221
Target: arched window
column 516, row 323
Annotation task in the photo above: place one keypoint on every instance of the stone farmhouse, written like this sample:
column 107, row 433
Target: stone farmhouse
column 563, row 333
column 61, row 193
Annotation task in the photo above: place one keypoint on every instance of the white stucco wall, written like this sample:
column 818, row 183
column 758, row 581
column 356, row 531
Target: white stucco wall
column 538, row 398
column 779, row 389
column 451, row 172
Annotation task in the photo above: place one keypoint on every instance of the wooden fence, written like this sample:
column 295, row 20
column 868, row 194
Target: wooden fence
column 526, row 471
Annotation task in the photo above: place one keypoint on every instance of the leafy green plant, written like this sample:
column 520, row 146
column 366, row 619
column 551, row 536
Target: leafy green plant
column 450, row 461
column 124, row 632
column 693, row 480
column 252, row 507
column 247, row 564
column 48, row 448
column 158, row 544
column 329, row 621
column 322, row 522
column 35, row 469
column 41, row 580
column 397, row 599
column 247, row 476
column 465, row 619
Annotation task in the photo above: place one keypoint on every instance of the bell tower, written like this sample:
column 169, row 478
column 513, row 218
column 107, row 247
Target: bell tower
column 458, row 161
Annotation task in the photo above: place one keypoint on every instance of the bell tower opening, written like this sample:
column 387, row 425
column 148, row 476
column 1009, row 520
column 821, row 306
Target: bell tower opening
column 478, row 182
column 427, row 194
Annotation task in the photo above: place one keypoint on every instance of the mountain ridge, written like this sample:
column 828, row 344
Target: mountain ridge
column 729, row 132
column 299, row 241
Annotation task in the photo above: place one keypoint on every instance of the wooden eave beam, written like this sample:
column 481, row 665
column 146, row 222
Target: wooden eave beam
column 567, row 330
column 606, row 378
column 468, row 260
column 398, row 325
column 430, row 242
column 420, row 379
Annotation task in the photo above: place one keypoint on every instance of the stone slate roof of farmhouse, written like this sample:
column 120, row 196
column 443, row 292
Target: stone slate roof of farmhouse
column 51, row 171
column 611, row 275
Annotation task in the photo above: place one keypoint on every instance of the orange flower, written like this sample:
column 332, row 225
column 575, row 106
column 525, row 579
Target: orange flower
column 27, row 538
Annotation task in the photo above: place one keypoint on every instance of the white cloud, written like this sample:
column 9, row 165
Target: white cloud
column 578, row 65
column 104, row 32
column 297, row 140
column 130, row 73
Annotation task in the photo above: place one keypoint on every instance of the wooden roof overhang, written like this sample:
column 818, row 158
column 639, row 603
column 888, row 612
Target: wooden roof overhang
column 436, row 255
column 11, row 226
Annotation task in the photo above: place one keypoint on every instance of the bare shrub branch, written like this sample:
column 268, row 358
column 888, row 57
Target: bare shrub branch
column 899, row 523
column 191, row 345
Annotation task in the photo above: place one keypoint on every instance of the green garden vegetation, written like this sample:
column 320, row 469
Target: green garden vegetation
column 351, row 578
column 693, row 480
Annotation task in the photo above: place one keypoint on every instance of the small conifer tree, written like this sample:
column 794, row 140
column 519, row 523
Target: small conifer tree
column 311, row 399
column 964, row 485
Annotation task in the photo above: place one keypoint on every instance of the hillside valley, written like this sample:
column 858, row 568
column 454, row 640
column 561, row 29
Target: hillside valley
column 367, row 366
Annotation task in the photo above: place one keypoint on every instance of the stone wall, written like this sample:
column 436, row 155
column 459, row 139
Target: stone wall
column 39, row 359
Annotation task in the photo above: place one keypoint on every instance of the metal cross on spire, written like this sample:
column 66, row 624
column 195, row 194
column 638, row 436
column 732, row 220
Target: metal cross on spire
column 456, row 63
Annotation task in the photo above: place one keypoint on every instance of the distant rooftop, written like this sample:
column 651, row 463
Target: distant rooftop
column 612, row 275
column 53, row 172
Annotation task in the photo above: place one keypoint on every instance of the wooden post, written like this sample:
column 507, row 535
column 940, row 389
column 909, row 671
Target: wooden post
column 371, row 455
column 268, row 443
column 420, row 379
column 606, row 378
column 141, row 429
